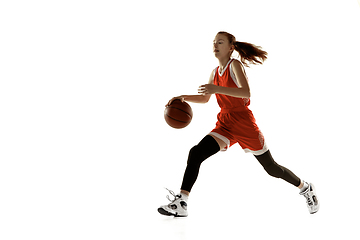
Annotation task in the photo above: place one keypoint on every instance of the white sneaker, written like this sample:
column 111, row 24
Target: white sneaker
column 177, row 207
column 311, row 198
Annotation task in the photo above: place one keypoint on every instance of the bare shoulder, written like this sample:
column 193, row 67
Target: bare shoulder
column 212, row 75
column 237, row 65
column 239, row 71
column 236, row 61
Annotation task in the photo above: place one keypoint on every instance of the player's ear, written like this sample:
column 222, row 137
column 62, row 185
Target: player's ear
column 232, row 48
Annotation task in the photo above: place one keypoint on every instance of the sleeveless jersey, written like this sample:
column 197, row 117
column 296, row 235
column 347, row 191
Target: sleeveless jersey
column 227, row 78
column 236, row 123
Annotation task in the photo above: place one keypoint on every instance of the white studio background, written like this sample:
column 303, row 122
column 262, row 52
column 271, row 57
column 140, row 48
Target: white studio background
column 85, row 152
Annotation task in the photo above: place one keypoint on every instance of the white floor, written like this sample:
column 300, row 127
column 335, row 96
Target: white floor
column 95, row 201
column 259, row 213
column 85, row 152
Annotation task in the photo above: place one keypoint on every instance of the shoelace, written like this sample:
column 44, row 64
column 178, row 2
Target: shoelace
column 308, row 199
column 176, row 197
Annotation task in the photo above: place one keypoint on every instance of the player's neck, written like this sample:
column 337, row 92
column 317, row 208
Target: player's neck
column 223, row 62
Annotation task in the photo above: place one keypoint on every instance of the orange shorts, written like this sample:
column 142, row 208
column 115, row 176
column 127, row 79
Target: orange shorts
column 239, row 127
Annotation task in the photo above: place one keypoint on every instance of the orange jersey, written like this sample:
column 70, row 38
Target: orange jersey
column 236, row 123
column 227, row 79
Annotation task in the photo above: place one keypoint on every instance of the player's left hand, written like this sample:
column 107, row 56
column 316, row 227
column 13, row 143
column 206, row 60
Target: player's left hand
column 207, row 89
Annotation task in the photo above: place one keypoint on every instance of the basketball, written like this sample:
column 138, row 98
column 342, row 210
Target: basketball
column 178, row 114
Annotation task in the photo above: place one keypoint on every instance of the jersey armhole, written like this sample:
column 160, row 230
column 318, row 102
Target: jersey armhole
column 233, row 77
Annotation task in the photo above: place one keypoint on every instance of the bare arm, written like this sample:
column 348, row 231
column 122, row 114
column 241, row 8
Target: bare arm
column 196, row 98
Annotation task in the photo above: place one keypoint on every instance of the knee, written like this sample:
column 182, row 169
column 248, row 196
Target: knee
column 274, row 170
column 195, row 156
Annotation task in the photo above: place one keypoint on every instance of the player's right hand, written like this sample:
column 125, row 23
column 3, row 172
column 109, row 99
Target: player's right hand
column 181, row 98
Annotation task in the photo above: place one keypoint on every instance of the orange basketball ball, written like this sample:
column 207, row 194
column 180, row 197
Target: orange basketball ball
column 178, row 114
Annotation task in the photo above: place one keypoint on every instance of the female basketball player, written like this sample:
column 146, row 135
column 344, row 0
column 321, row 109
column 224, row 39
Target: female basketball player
column 236, row 123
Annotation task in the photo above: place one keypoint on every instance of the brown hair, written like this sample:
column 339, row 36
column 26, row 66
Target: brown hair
column 249, row 53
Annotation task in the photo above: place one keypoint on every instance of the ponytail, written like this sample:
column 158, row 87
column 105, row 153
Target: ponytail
column 249, row 53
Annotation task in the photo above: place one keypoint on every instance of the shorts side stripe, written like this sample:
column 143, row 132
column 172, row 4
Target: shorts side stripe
column 259, row 152
column 225, row 139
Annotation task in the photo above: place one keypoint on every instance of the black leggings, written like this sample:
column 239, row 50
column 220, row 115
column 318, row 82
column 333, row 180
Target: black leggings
column 208, row 147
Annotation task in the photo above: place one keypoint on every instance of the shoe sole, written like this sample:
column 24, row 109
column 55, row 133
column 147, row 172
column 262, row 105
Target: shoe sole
column 166, row 213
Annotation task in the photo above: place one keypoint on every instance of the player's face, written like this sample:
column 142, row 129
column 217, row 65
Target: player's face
column 222, row 47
